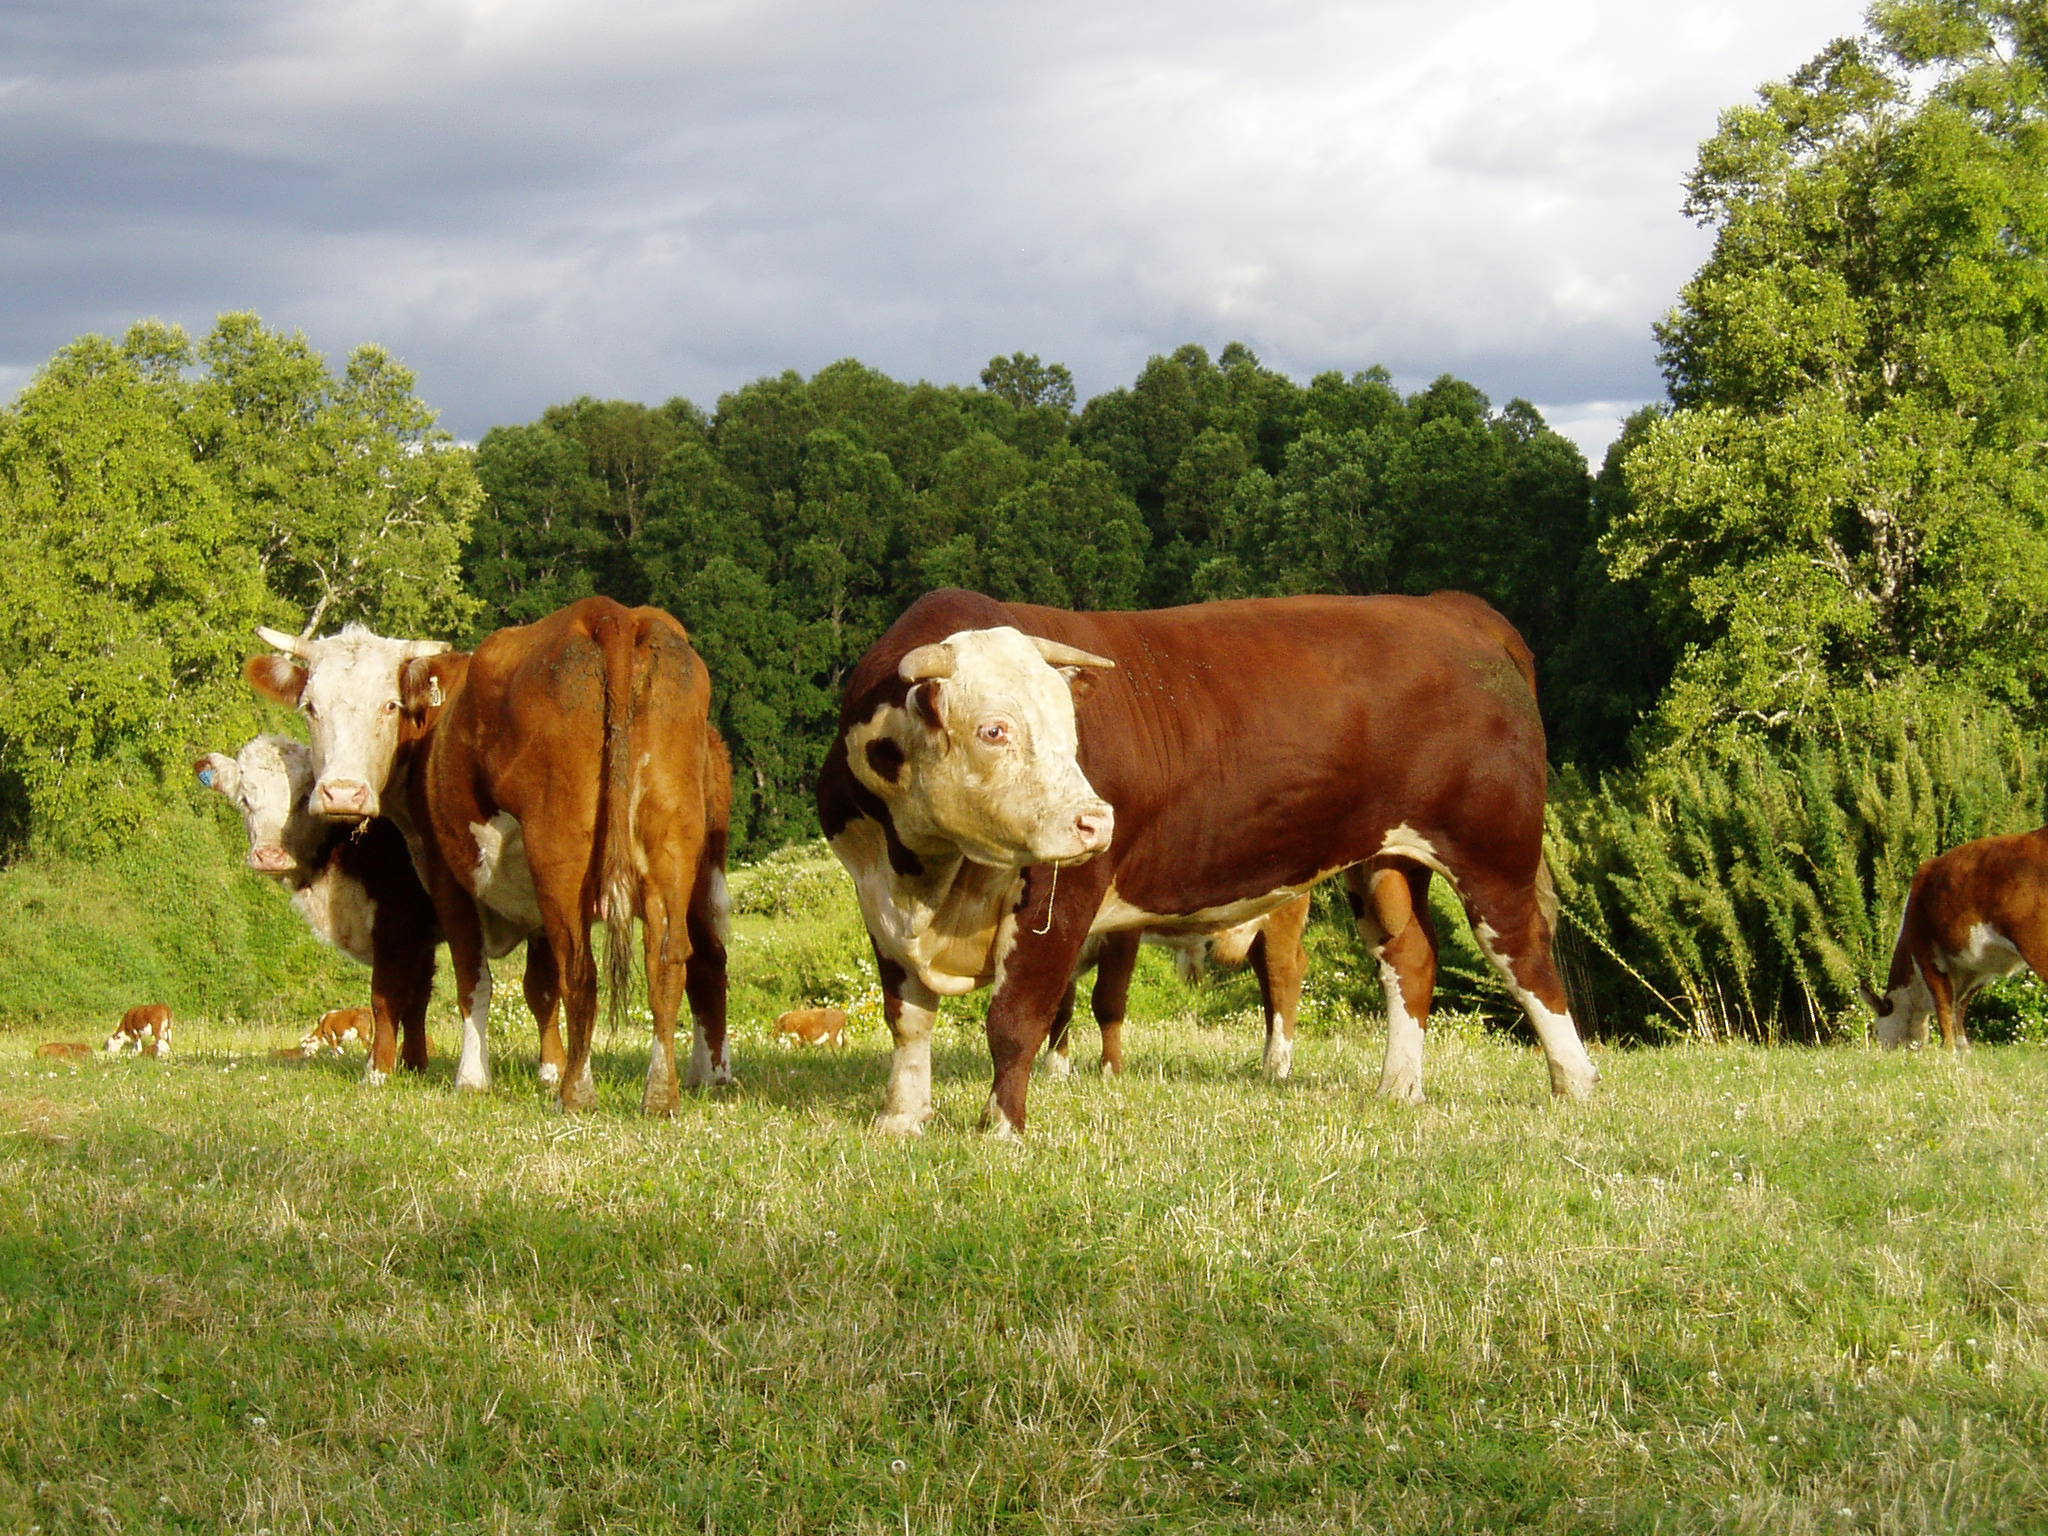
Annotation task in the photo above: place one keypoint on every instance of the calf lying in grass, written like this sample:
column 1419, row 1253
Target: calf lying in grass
column 1974, row 914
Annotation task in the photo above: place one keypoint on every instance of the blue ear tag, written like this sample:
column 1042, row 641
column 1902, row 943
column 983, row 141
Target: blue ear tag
column 206, row 777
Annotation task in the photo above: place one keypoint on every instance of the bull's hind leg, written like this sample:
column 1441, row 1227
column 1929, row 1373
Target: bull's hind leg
column 1279, row 960
column 1514, row 932
column 1111, row 997
column 543, row 987
column 1391, row 905
column 709, row 922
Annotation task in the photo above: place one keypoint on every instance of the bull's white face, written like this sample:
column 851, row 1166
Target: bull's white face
column 267, row 782
column 982, row 758
column 348, row 690
column 1902, row 1014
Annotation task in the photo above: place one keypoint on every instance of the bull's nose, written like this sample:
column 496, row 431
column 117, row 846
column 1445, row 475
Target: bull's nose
column 270, row 860
column 1095, row 828
column 345, row 798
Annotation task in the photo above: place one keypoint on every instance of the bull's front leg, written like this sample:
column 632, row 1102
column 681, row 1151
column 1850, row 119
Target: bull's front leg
column 911, row 1008
column 1039, row 949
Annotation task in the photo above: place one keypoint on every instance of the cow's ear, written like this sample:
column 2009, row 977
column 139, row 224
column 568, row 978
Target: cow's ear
column 217, row 771
column 1875, row 1003
column 420, row 691
column 1081, row 681
column 923, row 702
column 277, row 678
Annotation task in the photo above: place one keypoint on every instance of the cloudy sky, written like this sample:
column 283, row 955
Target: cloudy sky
column 527, row 200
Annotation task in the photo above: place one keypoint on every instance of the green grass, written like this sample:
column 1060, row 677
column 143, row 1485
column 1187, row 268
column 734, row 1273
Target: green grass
column 1759, row 1290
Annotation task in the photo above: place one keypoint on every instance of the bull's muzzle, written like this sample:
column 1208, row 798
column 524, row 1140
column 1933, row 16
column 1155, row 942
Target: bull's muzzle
column 270, row 859
column 344, row 799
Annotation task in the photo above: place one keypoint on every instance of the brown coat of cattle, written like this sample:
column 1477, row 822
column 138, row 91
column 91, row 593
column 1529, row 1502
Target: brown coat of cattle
column 146, row 1027
column 566, row 773
column 336, row 1028
column 1973, row 914
column 64, row 1050
column 816, row 1026
column 1244, row 750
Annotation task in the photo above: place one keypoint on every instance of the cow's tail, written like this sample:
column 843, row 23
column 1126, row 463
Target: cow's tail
column 618, row 638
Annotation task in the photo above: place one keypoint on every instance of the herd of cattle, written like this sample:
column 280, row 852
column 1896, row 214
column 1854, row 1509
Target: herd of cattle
column 1017, row 792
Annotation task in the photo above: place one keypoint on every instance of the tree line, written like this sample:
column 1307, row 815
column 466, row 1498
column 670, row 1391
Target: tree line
column 1833, row 533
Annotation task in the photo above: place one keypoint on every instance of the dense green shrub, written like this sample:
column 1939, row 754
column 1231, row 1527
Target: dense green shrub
column 1745, row 890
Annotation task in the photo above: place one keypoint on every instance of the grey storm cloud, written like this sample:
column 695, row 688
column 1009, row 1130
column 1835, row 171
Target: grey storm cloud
column 528, row 200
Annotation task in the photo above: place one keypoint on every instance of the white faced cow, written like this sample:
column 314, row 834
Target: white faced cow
column 1974, row 914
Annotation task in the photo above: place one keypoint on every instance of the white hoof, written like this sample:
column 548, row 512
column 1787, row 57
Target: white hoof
column 897, row 1123
column 1056, row 1064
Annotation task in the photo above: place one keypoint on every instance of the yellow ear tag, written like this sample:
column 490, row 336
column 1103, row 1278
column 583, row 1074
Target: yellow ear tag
column 435, row 698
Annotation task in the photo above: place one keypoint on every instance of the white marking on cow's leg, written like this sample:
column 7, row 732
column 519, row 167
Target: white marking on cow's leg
column 705, row 1072
column 1572, row 1073
column 1279, row 1048
column 372, row 1078
column 473, row 1072
column 1058, row 1063
column 582, row 1093
column 997, row 1124
column 1401, row 1076
column 908, row 1103
column 550, row 1073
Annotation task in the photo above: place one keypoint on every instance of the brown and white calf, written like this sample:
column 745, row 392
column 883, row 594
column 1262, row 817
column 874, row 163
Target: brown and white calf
column 1272, row 945
column 354, row 885
column 1008, row 780
column 1973, row 914
column 146, row 1027
column 337, row 1028
column 567, row 773
column 814, row 1026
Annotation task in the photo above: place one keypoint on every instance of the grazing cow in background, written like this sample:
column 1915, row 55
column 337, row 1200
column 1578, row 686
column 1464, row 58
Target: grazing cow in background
column 354, row 886
column 1974, row 914
column 564, row 774
column 147, row 1027
column 814, row 1026
column 337, row 1027
column 1009, row 779
column 1272, row 944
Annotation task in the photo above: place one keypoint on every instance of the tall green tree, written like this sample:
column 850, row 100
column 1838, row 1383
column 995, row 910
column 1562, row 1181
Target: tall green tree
column 1851, row 492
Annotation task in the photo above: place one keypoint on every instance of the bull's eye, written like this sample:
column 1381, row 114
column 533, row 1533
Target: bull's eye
column 996, row 733
column 391, row 706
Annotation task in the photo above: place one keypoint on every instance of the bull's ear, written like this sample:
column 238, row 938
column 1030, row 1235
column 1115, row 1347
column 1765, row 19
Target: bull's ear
column 277, row 678
column 420, row 691
column 217, row 771
column 923, row 702
column 1870, row 997
column 1081, row 681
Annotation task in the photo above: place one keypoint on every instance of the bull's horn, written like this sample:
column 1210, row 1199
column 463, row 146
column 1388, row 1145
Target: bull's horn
column 1058, row 655
column 419, row 650
column 926, row 663
column 277, row 639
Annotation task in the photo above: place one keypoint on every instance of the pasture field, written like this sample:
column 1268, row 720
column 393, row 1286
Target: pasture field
column 1748, row 1290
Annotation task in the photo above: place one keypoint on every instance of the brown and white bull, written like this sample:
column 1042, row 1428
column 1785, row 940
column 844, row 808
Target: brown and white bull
column 566, row 773
column 1272, row 945
column 1973, row 914
column 1008, row 780
column 146, row 1028
column 354, row 884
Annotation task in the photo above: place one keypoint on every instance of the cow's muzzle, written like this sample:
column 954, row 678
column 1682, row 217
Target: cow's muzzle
column 344, row 799
column 270, row 859
column 1087, row 835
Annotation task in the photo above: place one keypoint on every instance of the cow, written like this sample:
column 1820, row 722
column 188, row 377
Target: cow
column 1273, row 945
column 1008, row 779
column 64, row 1050
column 336, row 1028
column 814, row 1026
column 565, row 773
column 146, row 1027
column 1973, row 914
column 353, row 884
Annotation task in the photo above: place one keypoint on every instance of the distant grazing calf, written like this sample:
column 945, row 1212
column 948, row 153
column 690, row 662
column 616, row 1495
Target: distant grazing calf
column 337, row 1027
column 818, row 1026
column 1974, row 914
column 64, row 1050
column 147, row 1027
column 1272, row 944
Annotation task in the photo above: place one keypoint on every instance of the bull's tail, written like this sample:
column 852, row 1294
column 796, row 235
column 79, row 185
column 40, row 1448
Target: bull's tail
column 618, row 639
column 1546, row 894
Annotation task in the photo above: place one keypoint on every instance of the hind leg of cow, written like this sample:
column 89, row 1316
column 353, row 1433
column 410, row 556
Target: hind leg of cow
column 1515, row 935
column 1280, row 959
column 705, row 975
column 1059, row 1061
column 460, row 926
column 910, row 1009
column 401, row 989
column 666, row 953
column 1390, row 903
column 543, row 987
column 1111, row 997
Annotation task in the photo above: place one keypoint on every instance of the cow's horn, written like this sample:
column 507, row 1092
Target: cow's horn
column 277, row 639
column 419, row 650
column 1058, row 655
column 926, row 663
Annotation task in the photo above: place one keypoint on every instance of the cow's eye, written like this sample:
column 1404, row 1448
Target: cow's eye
column 392, row 706
column 996, row 733
column 312, row 710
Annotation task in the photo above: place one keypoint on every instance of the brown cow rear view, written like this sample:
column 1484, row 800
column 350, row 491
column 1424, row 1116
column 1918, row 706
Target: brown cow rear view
column 147, row 1027
column 1975, row 913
